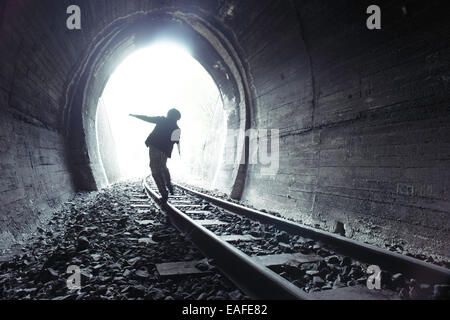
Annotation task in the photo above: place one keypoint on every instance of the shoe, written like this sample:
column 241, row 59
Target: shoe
column 170, row 187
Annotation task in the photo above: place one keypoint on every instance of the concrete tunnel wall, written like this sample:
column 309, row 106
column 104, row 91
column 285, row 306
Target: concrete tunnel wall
column 363, row 115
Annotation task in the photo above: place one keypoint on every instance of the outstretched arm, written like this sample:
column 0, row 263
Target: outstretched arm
column 145, row 118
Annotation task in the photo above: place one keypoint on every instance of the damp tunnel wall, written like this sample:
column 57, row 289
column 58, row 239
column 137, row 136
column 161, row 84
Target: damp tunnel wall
column 362, row 115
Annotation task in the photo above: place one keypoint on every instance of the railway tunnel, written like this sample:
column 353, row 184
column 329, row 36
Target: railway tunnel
column 354, row 120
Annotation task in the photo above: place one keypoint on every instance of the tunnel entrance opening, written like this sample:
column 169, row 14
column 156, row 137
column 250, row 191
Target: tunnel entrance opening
column 210, row 45
column 150, row 81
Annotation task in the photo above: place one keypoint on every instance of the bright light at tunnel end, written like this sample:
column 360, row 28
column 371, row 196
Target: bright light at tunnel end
column 151, row 81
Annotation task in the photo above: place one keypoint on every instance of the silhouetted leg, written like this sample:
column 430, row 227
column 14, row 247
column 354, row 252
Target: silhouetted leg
column 166, row 175
column 157, row 168
column 169, row 182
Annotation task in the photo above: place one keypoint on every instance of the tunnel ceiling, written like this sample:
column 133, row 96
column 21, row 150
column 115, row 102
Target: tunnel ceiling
column 362, row 114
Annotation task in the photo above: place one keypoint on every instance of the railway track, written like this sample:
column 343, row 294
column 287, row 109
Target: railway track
column 272, row 258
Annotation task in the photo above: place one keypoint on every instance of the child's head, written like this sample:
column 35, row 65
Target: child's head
column 174, row 114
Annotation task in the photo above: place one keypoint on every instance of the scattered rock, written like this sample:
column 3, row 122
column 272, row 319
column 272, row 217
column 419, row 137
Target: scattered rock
column 48, row 274
column 146, row 241
column 346, row 270
column 338, row 283
column 355, row 273
column 327, row 287
column 126, row 273
column 144, row 222
column 133, row 261
column 136, row 291
column 202, row 266
column 142, row 273
column 312, row 272
column 255, row 234
column 159, row 237
column 351, row 283
column 329, row 277
column 332, row 259
column 82, row 243
column 346, row 261
column 283, row 237
column 323, row 253
column 66, row 297
column 318, row 281
column 96, row 257
column 235, row 295
column 202, row 296
column 362, row 280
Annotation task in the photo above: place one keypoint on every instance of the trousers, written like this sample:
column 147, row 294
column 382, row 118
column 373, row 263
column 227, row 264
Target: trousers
column 160, row 172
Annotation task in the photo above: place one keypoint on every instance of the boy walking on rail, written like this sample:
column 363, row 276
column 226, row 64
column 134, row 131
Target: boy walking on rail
column 160, row 143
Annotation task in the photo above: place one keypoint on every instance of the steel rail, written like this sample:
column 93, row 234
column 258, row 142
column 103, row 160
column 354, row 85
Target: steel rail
column 255, row 280
column 385, row 259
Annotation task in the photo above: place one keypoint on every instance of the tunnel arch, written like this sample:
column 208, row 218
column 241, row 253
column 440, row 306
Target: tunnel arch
column 208, row 44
